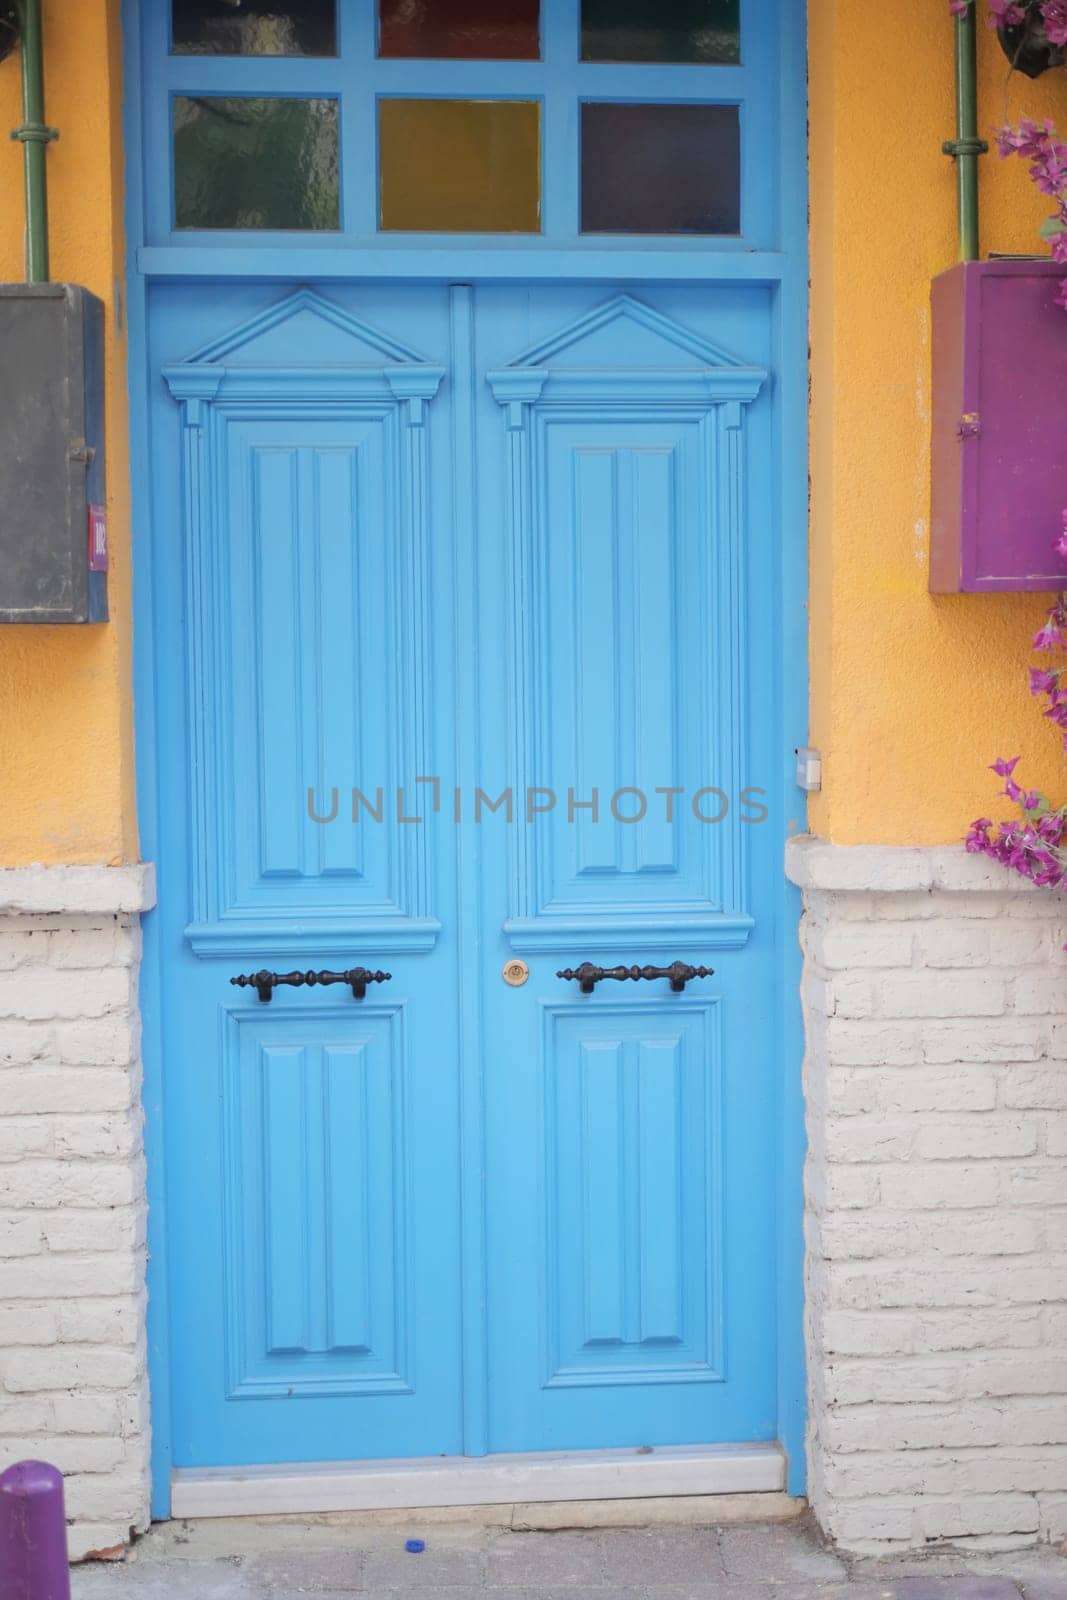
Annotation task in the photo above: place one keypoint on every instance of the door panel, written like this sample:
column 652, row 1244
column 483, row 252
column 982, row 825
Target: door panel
column 630, row 1144
column 633, row 1162
column 312, row 1174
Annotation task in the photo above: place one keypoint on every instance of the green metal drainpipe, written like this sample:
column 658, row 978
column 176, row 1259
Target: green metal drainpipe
column 34, row 135
column 966, row 147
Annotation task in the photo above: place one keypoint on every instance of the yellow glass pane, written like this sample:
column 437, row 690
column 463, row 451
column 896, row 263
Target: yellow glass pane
column 460, row 166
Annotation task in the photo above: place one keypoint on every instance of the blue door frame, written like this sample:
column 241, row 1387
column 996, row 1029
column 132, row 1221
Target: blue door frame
column 774, row 257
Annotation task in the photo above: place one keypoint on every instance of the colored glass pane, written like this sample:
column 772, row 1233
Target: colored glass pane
column 242, row 162
column 660, row 168
column 702, row 32
column 466, row 30
column 255, row 28
column 460, row 166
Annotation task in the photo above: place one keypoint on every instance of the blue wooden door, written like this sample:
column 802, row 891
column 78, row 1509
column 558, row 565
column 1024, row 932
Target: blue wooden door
column 467, row 671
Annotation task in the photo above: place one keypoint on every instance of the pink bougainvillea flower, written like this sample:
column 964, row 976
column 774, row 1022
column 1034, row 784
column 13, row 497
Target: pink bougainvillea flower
column 1050, row 637
column 1004, row 769
column 1054, row 13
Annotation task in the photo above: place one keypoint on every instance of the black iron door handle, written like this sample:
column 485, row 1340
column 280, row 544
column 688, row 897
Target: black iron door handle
column 679, row 973
column 265, row 983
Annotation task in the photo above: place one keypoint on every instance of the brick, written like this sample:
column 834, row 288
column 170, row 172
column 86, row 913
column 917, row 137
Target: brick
column 996, row 1039
column 847, row 948
column 118, row 1228
column 68, row 1367
column 24, row 1136
column 22, row 1043
column 25, row 1324
column 945, row 1139
column 112, row 1322
column 955, row 1519
column 874, row 1044
column 92, row 946
column 946, row 944
column 867, row 1333
column 72, row 1089
column 1035, row 994
column 1031, row 1088
column 62, row 1277
column 60, row 1183
column 22, row 1414
column 857, row 1524
column 851, row 995
column 976, row 1329
column 869, row 1139
column 20, row 1234
column 862, row 1382
column 107, row 1137
column 913, row 1427
column 69, row 1454
column 86, row 1413
column 922, row 1186
column 98, row 1041
column 830, row 1188
column 88, row 1496
column 42, row 994
column 1040, row 1184
column 942, row 994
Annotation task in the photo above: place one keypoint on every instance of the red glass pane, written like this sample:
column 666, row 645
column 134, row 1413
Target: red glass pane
column 460, row 30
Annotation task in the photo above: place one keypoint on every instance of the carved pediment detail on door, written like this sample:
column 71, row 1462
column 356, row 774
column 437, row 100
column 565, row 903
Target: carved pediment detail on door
column 662, row 362
column 305, row 346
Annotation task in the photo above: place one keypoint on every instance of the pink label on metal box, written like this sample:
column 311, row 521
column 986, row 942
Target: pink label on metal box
column 97, row 539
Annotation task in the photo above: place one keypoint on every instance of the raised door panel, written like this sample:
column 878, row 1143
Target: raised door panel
column 625, row 506
column 315, row 1202
column 632, row 1268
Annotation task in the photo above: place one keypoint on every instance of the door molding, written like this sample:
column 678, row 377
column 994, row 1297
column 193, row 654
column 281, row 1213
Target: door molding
column 782, row 272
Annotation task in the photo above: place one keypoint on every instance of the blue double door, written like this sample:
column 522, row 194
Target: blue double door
column 466, row 678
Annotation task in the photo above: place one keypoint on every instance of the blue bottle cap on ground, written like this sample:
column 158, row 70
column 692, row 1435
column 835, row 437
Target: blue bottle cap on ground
column 415, row 1546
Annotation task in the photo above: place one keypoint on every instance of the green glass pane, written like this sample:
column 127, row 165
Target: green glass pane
column 254, row 27
column 703, row 32
column 664, row 168
column 460, row 166
column 242, row 162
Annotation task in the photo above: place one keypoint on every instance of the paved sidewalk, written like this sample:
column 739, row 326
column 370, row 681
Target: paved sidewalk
column 281, row 1559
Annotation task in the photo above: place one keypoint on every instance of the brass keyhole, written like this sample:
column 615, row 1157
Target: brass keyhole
column 516, row 973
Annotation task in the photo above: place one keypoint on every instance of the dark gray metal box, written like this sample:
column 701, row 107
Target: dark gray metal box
column 51, row 452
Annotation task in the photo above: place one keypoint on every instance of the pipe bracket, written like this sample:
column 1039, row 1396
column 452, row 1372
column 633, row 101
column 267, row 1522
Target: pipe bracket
column 35, row 133
column 965, row 147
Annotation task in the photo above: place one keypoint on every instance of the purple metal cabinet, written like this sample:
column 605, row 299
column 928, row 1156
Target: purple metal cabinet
column 999, row 427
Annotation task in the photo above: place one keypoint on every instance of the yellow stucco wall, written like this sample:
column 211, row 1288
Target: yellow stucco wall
column 66, row 742
column 912, row 694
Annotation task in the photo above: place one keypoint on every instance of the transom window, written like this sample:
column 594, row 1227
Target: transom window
column 540, row 122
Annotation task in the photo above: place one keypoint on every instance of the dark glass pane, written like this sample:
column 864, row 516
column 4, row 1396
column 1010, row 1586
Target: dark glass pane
column 255, row 163
column 460, row 166
column 660, row 169
column 465, row 30
column 706, row 32
column 255, row 27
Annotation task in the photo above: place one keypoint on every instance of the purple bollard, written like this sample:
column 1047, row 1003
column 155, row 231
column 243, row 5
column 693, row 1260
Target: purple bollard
column 33, row 1533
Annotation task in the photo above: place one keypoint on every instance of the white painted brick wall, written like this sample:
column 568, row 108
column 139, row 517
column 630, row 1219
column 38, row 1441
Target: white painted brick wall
column 73, row 1375
column 935, row 999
